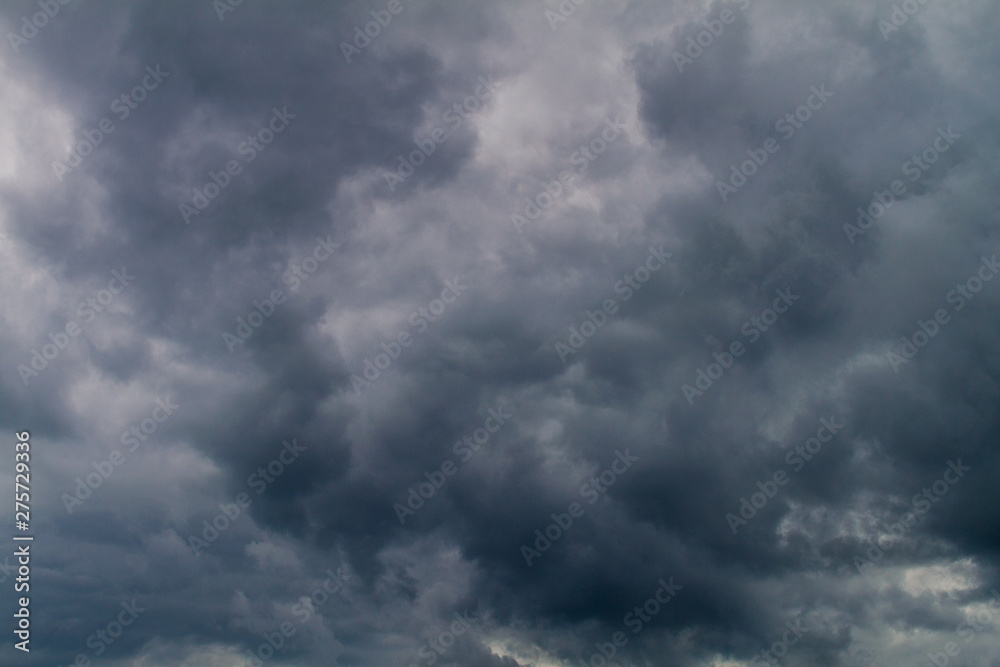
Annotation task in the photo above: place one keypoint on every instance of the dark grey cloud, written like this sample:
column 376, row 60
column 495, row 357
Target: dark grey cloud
column 293, row 237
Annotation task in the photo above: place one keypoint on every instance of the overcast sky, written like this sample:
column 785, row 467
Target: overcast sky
column 412, row 332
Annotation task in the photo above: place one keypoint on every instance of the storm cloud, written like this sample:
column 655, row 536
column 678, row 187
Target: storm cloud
column 579, row 332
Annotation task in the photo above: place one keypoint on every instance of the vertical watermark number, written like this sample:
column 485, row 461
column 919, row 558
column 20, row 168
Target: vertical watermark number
column 22, row 520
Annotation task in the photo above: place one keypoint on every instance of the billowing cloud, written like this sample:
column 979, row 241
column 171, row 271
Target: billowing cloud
column 412, row 332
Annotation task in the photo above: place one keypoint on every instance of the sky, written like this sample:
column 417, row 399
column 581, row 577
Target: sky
column 501, row 334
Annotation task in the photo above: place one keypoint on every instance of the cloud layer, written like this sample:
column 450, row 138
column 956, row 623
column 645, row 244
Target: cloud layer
column 506, row 333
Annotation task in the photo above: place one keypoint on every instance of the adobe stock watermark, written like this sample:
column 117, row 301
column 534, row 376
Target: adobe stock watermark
column 593, row 489
column 713, row 30
column 635, row 620
column 566, row 9
column 455, row 117
column 294, row 277
column 30, row 28
column 224, row 7
column 303, row 610
column 915, row 168
column 779, row 649
column 123, row 105
column 87, row 310
column 921, row 503
column 6, row 569
column 752, row 329
column 627, row 287
column 900, row 15
column 581, row 160
column 797, row 459
column 249, row 148
column 101, row 640
column 103, row 469
column 786, row 125
column 435, row 648
column 258, row 481
column 958, row 297
column 362, row 38
column 968, row 630
column 419, row 319
column 467, row 447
